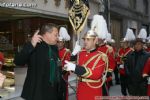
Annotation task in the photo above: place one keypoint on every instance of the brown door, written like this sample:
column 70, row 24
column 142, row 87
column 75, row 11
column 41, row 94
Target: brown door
column 116, row 31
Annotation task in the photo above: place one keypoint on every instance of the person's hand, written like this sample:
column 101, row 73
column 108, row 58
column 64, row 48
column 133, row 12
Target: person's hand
column 121, row 66
column 76, row 49
column 69, row 66
column 36, row 38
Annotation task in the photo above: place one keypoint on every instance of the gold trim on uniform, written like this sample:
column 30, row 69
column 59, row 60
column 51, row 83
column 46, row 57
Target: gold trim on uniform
column 109, row 49
column 90, row 73
column 67, row 51
column 87, row 80
column 87, row 72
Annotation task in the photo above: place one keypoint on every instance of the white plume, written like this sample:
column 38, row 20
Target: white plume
column 142, row 34
column 63, row 34
column 129, row 35
column 108, row 38
column 99, row 25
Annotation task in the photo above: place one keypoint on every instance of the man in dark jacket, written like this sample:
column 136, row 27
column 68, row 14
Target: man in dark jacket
column 134, row 65
column 43, row 75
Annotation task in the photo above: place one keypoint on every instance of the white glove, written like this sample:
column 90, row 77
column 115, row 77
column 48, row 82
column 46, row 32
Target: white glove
column 69, row 66
column 121, row 66
column 76, row 49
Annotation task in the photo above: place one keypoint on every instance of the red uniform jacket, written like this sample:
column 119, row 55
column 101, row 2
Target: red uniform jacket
column 148, row 49
column 90, row 70
column 109, row 51
column 146, row 72
column 1, row 58
column 122, row 53
column 64, row 54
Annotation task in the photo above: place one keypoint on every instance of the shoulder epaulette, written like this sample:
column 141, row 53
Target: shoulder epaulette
column 104, row 56
column 68, row 50
column 110, row 49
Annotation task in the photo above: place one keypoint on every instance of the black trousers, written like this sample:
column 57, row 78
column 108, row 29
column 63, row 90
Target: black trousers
column 138, row 88
column 105, row 90
column 123, row 84
column 116, row 73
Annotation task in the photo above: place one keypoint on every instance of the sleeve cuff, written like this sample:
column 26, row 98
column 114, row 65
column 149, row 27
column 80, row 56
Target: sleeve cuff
column 80, row 70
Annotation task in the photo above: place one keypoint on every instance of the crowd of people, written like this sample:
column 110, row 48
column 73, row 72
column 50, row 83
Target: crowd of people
column 50, row 63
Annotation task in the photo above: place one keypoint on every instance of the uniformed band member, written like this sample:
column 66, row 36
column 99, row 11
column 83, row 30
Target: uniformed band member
column 64, row 54
column 134, row 67
column 90, row 67
column 99, row 25
column 116, row 72
column 108, row 50
column 122, row 53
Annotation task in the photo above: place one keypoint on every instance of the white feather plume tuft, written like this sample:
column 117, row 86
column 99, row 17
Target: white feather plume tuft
column 108, row 38
column 63, row 34
column 99, row 25
column 129, row 35
column 142, row 34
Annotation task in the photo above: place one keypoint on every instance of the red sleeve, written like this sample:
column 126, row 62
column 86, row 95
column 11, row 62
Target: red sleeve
column 112, row 62
column 67, row 57
column 95, row 73
column 146, row 70
column 1, row 58
column 118, row 57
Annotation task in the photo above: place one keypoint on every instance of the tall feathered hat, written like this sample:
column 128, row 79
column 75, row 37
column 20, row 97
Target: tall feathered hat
column 99, row 26
column 63, row 34
column 129, row 36
column 142, row 35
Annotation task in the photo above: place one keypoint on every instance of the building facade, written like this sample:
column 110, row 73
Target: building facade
column 17, row 23
column 19, row 19
column 134, row 14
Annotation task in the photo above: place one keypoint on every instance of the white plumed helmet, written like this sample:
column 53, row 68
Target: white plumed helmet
column 63, row 34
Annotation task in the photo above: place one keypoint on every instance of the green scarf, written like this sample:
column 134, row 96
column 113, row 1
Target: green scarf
column 54, row 70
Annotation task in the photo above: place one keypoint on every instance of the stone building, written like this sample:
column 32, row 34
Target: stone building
column 134, row 14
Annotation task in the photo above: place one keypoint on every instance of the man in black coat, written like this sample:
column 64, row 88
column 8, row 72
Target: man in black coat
column 43, row 80
column 134, row 65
